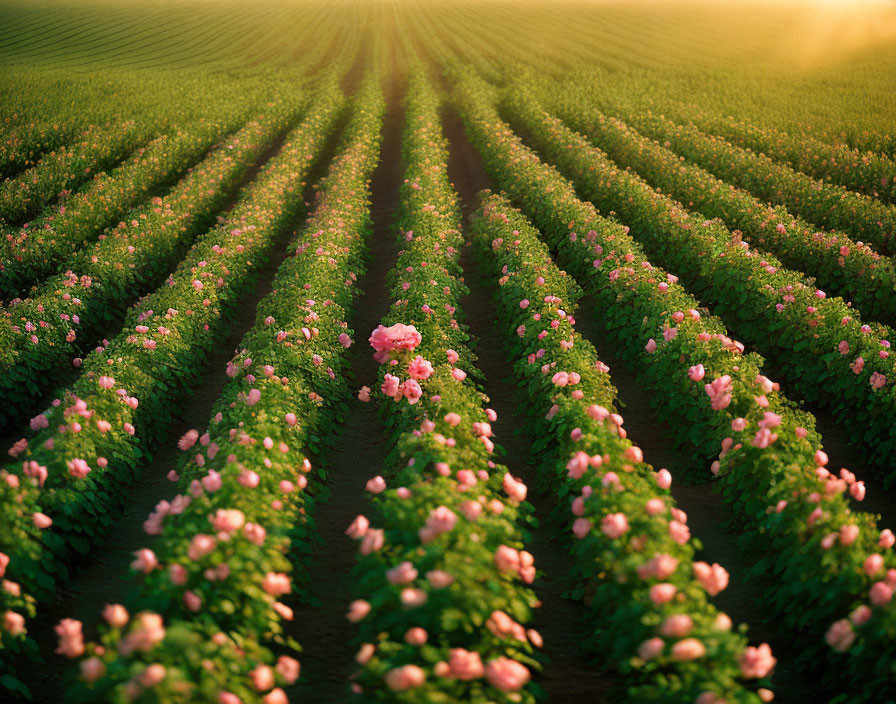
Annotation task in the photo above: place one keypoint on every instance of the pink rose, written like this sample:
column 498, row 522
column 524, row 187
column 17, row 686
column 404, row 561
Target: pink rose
column 276, row 583
column 357, row 610
column 420, row 369
column 614, row 525
column 676, row 626
column 404, row 677
column 465, row 665
column 71, row 639
column 688, row 649
column 358, row 527
column 712, row 578
column 840, row 635
column 757, row 662
column 662, row 593
column 403, row 573
column 412, row 391
column 515, row 489
column 377, row 485
column 390, row 386
column 506, row 674
column 507, row 559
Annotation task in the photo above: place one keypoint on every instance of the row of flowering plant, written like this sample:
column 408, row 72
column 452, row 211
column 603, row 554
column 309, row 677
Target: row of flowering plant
column 442, row 577
column 790, row 509
column 863, row 164
column 632, row 545
column 220, row 562
column 93, row 438
column 64, row 169
column 849, row 269
column 823, row 203
column 44, row 334
column 43, row 246
column 820, row 344
column 872, row 173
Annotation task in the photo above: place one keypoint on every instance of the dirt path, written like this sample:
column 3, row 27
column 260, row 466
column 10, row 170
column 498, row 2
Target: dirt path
column 103, row 577
column 569, row 675
column 320, row 624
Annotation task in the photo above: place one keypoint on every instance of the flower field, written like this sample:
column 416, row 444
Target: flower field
column 447, row 352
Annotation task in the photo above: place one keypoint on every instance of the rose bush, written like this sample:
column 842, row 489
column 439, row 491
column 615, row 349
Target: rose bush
column 442, row 578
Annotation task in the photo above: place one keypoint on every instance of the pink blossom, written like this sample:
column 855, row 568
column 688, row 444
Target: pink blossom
column 840, row 635
column 227, row 520
column 413, row 598
column 515, row 489
column 614, row 525
column 507, row 559
column 92, row 669
column 441, row 520
column 581, row 527
column 465, row 665
column 713, row 578
column 345, row 340
column 412, row 391
column 676, row 626
column 358, row 527
column 873, row 564
column 403, row 573
column 377, row 485
column 357, row 610
column 662, row 593
column 405, row 677
column 13, row 623
column 688, row 649
column 71, row 639
column 880, row 593
column 391, row 385
column 288, row 668
column 848, row 534
column 757, row 662
column 420, row 369
column 660, row 566
column 679, row 532
column 860, row 615
column 276, row 583
column 78, row 468
column 506, row 674
column 146, row 561
column 396, row 337
column 373, row 541
column 887, row 539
